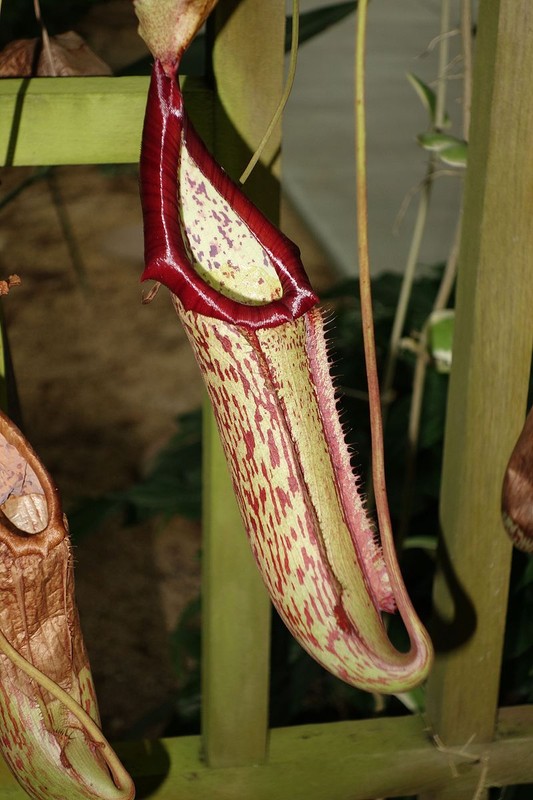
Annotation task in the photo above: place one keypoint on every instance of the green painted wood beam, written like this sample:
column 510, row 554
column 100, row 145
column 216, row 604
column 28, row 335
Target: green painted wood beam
column 248, row 60
column 79, row 120
column 338, row 761
column 493, row 341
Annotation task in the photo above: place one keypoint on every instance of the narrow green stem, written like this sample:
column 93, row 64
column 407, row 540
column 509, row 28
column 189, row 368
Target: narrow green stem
column 444, row 57
column 406, row 288
column 46, row 39
column 286, row 91
column 450, row 271
column 415, row 414
column 419, row 382
column 466, row 39
column 446, row 285
column 378, row 458
column 421, row 218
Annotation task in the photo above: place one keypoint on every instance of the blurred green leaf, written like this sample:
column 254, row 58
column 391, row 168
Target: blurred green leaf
column 455, row 155
column 440, row 338
column 415, row 700
column 318, row 20
column 428, row 543
column 451, row 150
column 436, row 142
column 171, row 487
column 427, row 97
column 433, row 410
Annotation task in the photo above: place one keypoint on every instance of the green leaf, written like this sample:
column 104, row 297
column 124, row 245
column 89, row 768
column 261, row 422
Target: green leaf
column 455, row 155
column 440, row 339
column 436, row 142
column 428, row 543
column 433, row 410
column 427, row 97
column 450, row 149
column 415, row 700
column 314, row 22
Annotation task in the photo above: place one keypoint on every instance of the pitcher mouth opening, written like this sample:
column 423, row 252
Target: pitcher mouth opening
column 22, row 496
column 193, row 212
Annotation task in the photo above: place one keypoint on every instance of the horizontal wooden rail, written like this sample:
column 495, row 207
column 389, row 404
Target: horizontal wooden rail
column 78, row 120
column 340, row 761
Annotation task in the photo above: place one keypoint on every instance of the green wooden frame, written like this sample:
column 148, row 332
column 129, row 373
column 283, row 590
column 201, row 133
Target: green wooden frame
column 98, row 120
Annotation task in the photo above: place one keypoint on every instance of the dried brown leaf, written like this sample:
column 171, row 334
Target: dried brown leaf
column 70, row 56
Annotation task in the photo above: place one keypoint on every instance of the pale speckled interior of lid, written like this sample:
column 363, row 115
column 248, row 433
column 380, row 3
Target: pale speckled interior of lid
column 224, row 251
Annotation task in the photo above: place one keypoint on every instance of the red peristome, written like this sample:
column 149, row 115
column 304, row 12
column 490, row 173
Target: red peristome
column 166, row 130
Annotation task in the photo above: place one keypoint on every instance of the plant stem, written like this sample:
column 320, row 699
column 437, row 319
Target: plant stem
column 46, row 39
column 378, row 459
column 466, row 38
column 286, row 91
column 419, row 382
column 442, row 298
column 450, row 271
column 421, row 218
column 406, row 287
column 444, row 56
column 76, row 257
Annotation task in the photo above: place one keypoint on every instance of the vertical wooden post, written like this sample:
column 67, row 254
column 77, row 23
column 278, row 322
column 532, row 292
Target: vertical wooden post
column 248, row 67
column 488, row 388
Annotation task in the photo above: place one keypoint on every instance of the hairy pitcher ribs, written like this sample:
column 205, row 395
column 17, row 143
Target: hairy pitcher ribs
column 242, row 295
